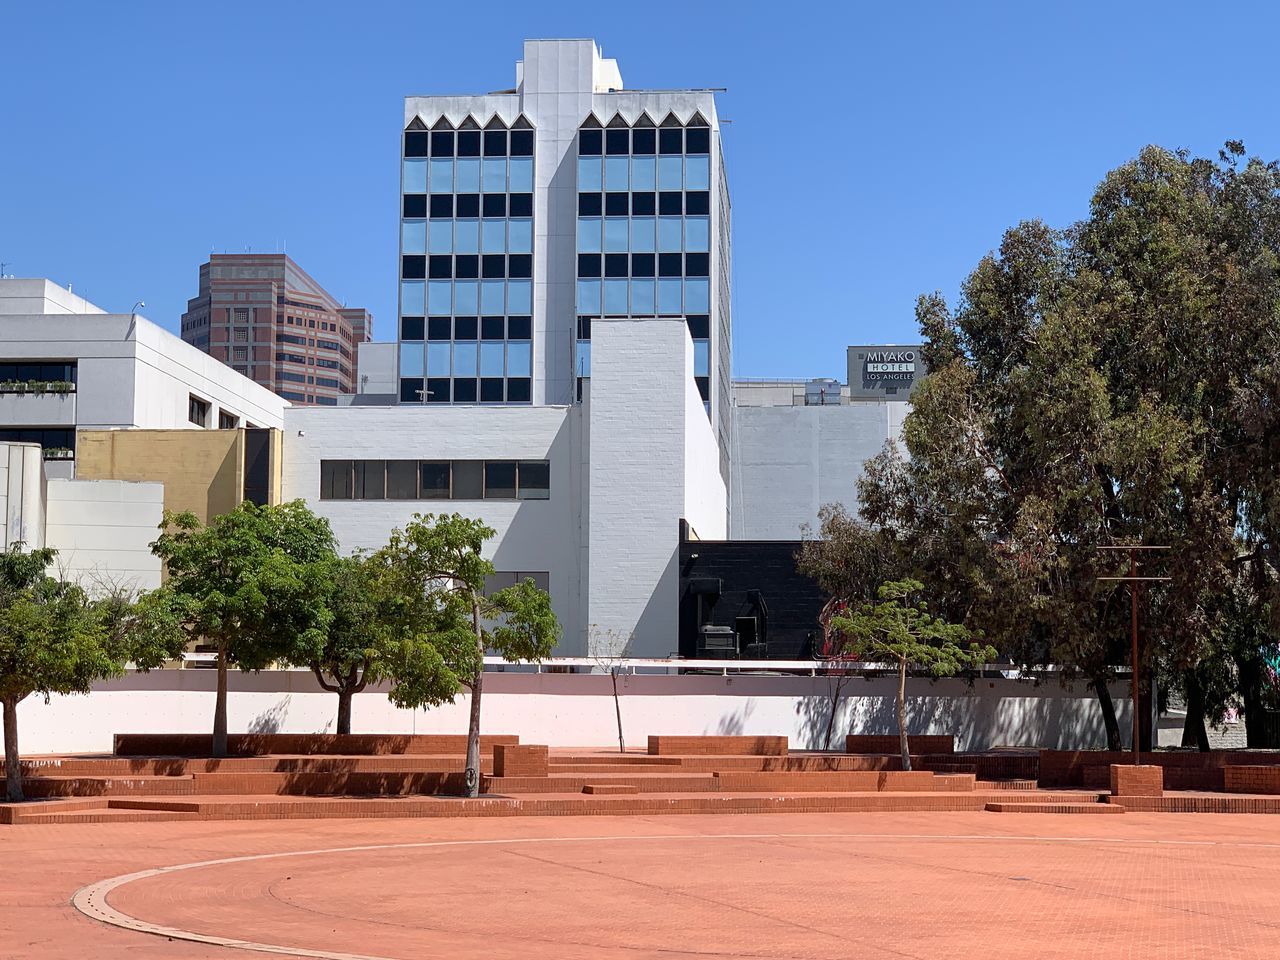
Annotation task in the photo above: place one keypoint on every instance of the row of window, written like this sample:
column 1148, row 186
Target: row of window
column 466, row 236
column 468, row 143
column 643, row 298
column 292, row 377
column 642, row 174
column 489, row 358
column 26, row 371
column 498, row 176
column 435, row 480
column 306, row 341
column 466, row 328
column 465, row 390
column 466, row 266
column 466, row 297
column 442, row 206
column 699, row 327
column 671, row 203
column 644, row 141
column 319, row 399
column 644, row 265
column 313, row 362
column 644, row 234
column 58, row 443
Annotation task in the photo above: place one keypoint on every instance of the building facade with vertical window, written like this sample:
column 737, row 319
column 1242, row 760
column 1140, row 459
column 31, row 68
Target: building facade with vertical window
column 266, row 318
column 529, row 214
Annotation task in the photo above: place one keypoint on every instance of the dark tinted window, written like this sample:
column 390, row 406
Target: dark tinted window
column 699, row 327
column 402, row 479
column 442, row 143
column 521, row 205
column 438, row 390
column 464, row 328
column 464, row 391
column 588, row 264
column 589, row 205
column 439, row 328
column 643, row 141
column 521, row 265
column 535, row 480
column 590, row 143
column 411, row 328
column 415, row 144
column 441, row 266
column 518, row 390
column 615, row 264
column 494, row 266
column 415, row 205
column 617, row 141
column 499, row 479
column 670, row 203
column 441, row 206
column 522, row 143
column 519, row 328
column 468, row 479
column 642, row 265
column 466, row 266
column 468, row 205
column 435, row 479
column 411, row 390
column 495, row 143
column 335, row 479
column 669, row 265
column 492, row 328
column 616, row 204
column 495, row 204
column 644, row 204
column 468, row 143
column 370, row 480
column 697, row 264
column 697, row 140
column 491, row 390
column 671, row 141
column 698, row 203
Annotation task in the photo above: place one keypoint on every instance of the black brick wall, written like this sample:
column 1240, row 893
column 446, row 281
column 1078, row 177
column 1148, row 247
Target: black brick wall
column 769, row 566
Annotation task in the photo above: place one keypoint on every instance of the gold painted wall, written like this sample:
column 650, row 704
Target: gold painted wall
column 202, row 470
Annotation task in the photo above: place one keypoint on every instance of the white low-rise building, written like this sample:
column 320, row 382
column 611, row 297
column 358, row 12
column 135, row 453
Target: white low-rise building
column 66, row 364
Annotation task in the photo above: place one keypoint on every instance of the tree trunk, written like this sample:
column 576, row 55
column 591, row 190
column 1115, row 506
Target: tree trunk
column 1194, row 733
column 617, row 709
column 12, row 769
column 344, row 709
column 1257, row 735
column 220, row 707
column 1108, row 713
column 835, row 708
column 902, row 715
column 471, row 787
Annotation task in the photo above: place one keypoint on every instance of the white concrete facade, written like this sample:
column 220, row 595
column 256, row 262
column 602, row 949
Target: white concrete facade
column 130, row 372
column 623, row 474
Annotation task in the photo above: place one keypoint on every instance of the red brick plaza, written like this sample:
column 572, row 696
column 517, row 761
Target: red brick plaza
column 341, row 847
column 875, row 885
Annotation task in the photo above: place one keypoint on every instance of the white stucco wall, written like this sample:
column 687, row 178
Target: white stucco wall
column 22, row 488
column 578, row 709
column 791, row 460
column 102, row 530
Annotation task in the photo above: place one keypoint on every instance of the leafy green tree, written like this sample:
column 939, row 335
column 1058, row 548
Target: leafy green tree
column 354, row 648
column 252, row 584
column 904, row 633
column 448, row 622
column 55, row 638
column 1109, row 383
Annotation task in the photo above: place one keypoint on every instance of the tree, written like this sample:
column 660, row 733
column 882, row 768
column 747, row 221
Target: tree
column 447, row 621
column 906, row 634
column 353, row 649
column 251, row 583
column 611, row 649
column 55, row 638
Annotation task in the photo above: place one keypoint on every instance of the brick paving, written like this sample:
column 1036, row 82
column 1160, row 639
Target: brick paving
column 824, row 886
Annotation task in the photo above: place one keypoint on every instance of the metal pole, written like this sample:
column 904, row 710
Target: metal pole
column 1133, row 596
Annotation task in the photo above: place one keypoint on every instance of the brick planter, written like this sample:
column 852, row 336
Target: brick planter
column 1130, row 780
column 524, row 760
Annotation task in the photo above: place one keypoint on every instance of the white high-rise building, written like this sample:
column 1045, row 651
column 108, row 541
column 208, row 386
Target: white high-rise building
column 530, row 213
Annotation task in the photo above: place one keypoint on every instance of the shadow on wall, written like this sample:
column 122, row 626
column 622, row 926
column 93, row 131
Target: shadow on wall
column 735, row 724
column 977, row 722
column 272, row 719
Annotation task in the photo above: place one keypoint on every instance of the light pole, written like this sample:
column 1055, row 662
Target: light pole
column 1133, row 580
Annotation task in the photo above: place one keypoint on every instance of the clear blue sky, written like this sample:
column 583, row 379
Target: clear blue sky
column 876, row 151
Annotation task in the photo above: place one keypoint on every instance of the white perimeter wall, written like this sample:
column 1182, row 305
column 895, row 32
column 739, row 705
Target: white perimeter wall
column 578, row 710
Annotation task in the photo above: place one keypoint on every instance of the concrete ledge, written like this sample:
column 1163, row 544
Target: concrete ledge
column 880, row 743
column 261, row 744
column 1136, row 780
column 516, row 760
column 718, row 746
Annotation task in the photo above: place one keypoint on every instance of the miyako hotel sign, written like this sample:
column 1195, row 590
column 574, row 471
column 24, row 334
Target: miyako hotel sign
column 884, row 371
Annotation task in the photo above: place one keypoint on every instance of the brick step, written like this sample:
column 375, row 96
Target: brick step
column 266, row 744
column 573, row 783
column 1006, row 785
column 1004, row 807
column 352, row 783
column 106, row 816
column 639, row 759
column 178, row 766
column 1199, row 803
column 639, row 770
column 610, row 788
column 124, row 786
column 856, row 781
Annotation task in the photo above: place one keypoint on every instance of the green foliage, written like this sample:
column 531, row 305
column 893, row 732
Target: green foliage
column 1113, row 382
column 897, row 630
column 433, row 577
column 251, row 582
